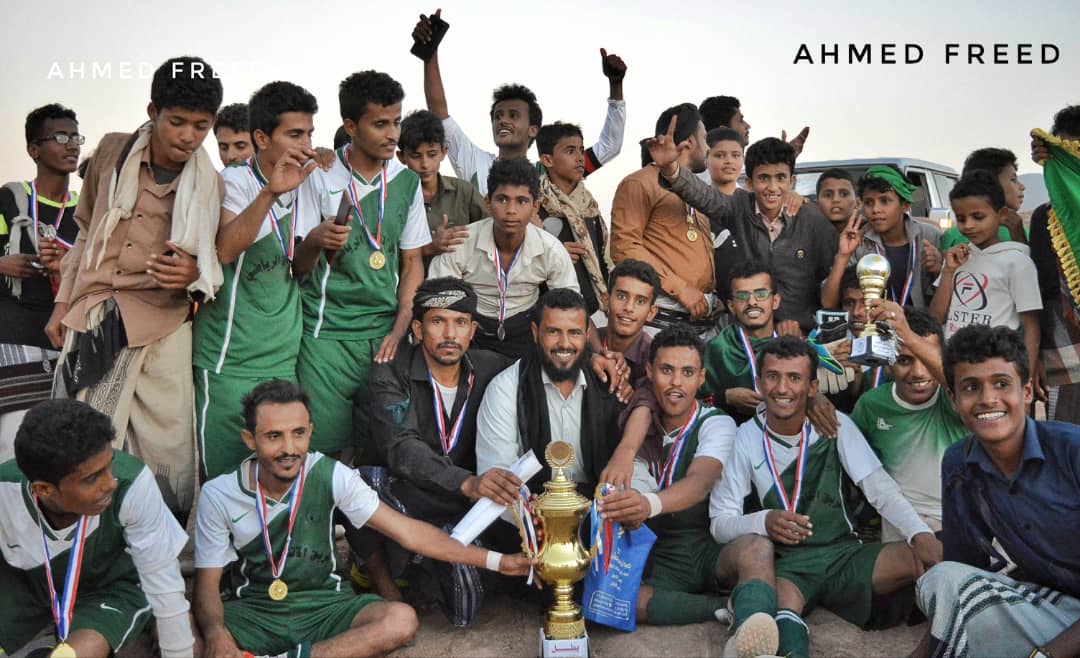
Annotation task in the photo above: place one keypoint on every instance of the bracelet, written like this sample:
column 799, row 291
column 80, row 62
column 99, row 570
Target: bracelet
column 655, row 505
column 674, row 176
column 493, row 560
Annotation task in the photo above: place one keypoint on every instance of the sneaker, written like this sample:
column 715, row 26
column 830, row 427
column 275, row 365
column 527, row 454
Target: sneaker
column 757, row 636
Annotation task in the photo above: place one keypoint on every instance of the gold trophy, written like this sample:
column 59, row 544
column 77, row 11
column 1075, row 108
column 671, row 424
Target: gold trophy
column 873, row 348
column 562, row 560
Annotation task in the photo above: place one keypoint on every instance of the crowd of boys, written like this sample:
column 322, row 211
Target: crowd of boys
column 314, row 337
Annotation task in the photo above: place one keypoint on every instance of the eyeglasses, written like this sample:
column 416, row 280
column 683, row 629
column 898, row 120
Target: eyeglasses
column 744, row 295
column 63, row 138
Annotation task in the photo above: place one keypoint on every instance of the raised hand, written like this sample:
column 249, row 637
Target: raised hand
column 422, row 33
column 613, row 66
column 850, row 237
column 664, row 151
column 446, row 237
column 292, row 169
column 956, row 257
column 798, row 141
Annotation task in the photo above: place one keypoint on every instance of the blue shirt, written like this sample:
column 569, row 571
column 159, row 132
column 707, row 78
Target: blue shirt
column 1035, row 515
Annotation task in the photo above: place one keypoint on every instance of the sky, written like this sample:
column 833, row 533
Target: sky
column 676, row 51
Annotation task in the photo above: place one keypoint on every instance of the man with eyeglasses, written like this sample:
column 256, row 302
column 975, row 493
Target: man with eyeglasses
column 506, row 259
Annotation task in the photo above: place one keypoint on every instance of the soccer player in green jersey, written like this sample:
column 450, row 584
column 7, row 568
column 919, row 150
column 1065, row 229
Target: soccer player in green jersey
column 361, row 276
column 265, row 542
column 797, row 481
column 910, row 422
column 251, row 330
column 85, row 528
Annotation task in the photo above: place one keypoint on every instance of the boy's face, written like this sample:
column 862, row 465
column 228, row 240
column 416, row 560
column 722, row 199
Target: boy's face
column 377, row 130
column 86, row 490
column 676, row 375
column 770, row 184
column 754, row 312
column 510, row 124
column 630, row 306
column 281, row 439
column 990, row 399
column 294, row 130
column 836, row 200
column 567, row 159
column 977, row 220
column 786, row 387
column 444, row 334
column 851, row 301
column 51, row 154
column 1014, row 189
column 725, row 162
column 914, row 384
column 178, row 132
column 234, row 147
column 884, row 211
column 512, row 206
column 425, row 159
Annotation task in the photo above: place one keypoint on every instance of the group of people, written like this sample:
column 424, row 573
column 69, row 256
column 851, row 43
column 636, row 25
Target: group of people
column 317, row 337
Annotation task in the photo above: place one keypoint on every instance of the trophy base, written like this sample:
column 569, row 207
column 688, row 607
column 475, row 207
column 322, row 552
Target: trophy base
column 873, row 351
column 575, row 648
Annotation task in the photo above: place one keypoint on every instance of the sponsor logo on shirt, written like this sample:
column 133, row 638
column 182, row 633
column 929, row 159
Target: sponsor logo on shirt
column 882, row 425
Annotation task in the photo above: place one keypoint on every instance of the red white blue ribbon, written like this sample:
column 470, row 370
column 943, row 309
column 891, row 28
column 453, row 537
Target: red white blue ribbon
column 667, row 474
column 295, row 493
column 603, row 533
column 879, row 372
column 35, row 212
column 374, row 241
column 528, row 530
column 288, row 245
column 449, row 440
column 790, row 503
column 751, row 357
column 63, row 604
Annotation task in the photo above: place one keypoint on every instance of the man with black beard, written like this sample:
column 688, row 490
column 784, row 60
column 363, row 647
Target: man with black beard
column 548, row 396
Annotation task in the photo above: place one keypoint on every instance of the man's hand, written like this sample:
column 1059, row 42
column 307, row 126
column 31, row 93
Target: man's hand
column 1039, row 385
column 18, row 266
column 822, row 415
column 324, row 158
column 422, row 33
column 517, row 564
column 611, row 368
column 787, row 527
column 220, row 644
column 891, row 313
column 54, row 328
column 498, row 484
column 576, row 250
column 850, row 237
column 955, row 257
column 931, row 258
column 446, row 238
column 50, row 253
column 619, row 470
column 664, row 151
column 173, row 272
column 693, row 300
column 613, row 66
column 745, row 400
column 798, row 141
column 329, row 236
column 793, row 201
column 928, row 551
column 626, row 507
column 291, row 170
column 1040, row 152
column 388, row 347
column 789, row 328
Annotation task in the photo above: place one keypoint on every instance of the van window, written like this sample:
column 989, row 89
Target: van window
column 920, row 204
column 944, row 185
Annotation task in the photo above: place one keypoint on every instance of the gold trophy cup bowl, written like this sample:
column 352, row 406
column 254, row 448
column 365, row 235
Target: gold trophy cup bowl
column 871, row 348
column 562, row 560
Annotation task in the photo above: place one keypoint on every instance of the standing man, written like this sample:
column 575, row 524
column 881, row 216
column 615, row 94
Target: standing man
column 233, row 134
column 147, row 218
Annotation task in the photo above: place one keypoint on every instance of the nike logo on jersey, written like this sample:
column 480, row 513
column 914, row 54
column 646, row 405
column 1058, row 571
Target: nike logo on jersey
column 237, row 519
column 882, row 425
column 759, row 465
column 109, row 607
column 14, row 545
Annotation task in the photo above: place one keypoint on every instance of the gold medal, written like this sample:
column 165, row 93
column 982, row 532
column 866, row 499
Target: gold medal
column 377, row 261
column 278, row 591
column 63, row 650
column 691, row 235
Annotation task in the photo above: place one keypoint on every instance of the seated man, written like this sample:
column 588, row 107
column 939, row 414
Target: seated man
column 632, row 291
column 548, row 395
column 798, row 483
column 273, row 604
column 516, row 117
column 687, row 569
column 911, row 423
column 70, row 504
column 506, row 259
column 1011, row 485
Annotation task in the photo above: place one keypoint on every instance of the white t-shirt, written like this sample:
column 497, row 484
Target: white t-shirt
column 993, row 287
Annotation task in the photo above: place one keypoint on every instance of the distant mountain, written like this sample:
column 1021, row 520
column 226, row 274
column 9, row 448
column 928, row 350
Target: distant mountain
column 1035, row 194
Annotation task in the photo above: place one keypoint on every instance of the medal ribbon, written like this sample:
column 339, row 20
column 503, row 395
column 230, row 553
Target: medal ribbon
column 878, row 373
column 667, row 474
column 523, row 511
column 502, row 279
column 35, row 212
column 63, row 605
column 449, row 441
column 295, row 493
column 289, row 246
column 790, row 504
column 751, row 358
column 603, row 533
column 375, row 241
